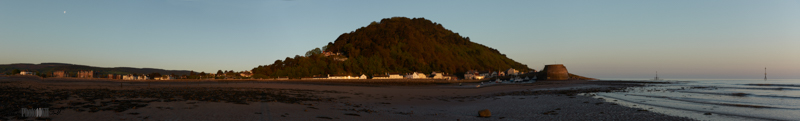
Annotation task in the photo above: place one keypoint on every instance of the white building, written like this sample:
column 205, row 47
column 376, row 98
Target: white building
column 512, row 71
column 27, row 73
column 129, row 77
column 388, row 76
column 143, row 77
column 347, row 77
column 246, row 74
column 167, row 77
column 473, row 74
column 134, row 77
column 437, row 75
column 395, row 76
column 362, row 76
column 416, row 75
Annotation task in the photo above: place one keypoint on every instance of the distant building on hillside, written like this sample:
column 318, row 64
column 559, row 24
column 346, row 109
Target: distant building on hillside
column 26, row 72
column 86, row 74
column 328, row 53
column 340, row 58
column 59, row 74
column 336, row 56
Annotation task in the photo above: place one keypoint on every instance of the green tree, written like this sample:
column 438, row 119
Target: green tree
column 15, row 72
column 325, row 48
column 314, row 51
column 155, row 74
column 230, row 73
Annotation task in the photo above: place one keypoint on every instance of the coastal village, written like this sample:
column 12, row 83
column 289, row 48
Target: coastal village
column 557, row 72
column 514, row 75
column 509, row 74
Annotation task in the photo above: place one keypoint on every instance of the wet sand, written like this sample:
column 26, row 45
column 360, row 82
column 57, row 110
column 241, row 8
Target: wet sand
column 97, row 99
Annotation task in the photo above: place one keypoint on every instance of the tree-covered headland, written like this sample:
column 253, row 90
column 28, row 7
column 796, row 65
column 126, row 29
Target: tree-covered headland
column 393, row 45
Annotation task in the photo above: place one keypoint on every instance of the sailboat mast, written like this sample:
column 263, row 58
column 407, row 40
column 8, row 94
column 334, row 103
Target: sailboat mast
column 656, row 76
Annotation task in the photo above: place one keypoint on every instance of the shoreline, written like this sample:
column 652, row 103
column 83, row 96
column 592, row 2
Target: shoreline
column 543, row 100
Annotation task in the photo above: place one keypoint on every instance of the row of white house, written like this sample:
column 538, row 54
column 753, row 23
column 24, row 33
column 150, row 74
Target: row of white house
column 388, row 76
column 134, row 77
column 415, row 75
column 346, row 77
column 145, row 77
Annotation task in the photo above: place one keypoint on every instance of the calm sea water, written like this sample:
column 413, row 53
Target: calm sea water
column 721, row 99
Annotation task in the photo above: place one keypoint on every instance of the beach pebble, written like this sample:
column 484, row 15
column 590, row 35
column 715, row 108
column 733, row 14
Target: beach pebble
column 485, row 113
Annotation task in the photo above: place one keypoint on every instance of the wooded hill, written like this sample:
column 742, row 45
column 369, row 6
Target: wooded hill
column 48, row 68
column 393, row 45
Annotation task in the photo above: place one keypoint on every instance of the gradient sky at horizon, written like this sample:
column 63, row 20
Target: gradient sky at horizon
column 727, row 39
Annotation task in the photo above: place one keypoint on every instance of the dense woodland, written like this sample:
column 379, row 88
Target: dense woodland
column 393, row 45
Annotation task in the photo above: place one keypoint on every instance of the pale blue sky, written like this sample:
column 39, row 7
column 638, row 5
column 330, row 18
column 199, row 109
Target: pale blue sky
column 595, row 38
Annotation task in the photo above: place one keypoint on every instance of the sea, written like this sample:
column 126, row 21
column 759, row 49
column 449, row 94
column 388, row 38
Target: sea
column 715, row 99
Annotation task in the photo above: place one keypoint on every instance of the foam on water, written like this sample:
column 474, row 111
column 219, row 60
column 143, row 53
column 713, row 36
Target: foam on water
column 774, row 99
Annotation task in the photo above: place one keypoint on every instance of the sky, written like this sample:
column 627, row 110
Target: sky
column 706, row 39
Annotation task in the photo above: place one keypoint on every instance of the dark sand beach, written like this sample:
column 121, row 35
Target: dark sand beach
column 99, row 99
